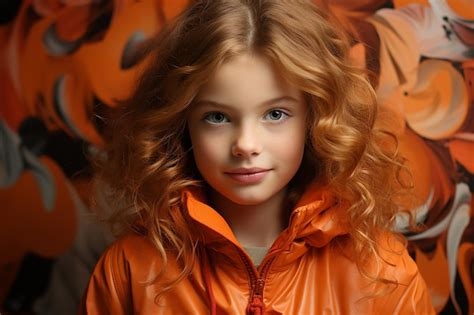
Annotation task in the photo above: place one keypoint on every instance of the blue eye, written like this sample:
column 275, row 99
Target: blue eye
column 216, row 118
column 276, row 115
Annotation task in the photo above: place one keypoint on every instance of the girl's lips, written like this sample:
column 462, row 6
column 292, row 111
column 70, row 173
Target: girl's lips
column 249, row 178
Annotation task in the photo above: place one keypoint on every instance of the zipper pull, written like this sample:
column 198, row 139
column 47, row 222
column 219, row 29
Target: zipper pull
column 256, row 307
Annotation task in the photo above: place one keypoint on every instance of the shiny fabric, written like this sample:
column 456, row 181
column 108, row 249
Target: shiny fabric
column 308, row 270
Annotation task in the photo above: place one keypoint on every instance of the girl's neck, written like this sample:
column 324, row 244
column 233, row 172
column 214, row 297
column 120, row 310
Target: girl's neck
column 253, row 225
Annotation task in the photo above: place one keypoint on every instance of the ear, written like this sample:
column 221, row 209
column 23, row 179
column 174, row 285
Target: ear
column 357, row 55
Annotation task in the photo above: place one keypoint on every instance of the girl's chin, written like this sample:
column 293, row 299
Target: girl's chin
column 247, row 199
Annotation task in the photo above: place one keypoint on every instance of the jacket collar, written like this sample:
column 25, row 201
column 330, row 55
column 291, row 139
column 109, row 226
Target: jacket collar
column 317, row 218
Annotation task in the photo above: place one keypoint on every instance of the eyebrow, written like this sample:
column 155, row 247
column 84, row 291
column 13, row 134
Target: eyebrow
column 266, row 103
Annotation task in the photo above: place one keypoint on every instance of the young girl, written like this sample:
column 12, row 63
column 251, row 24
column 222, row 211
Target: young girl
column 249, row 177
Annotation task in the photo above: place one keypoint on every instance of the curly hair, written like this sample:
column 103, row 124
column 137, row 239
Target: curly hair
column 148, row 162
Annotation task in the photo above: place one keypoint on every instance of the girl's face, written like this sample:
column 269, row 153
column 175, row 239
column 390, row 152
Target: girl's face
column 247, row 129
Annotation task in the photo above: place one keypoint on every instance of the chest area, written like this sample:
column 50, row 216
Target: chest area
column 309, row 284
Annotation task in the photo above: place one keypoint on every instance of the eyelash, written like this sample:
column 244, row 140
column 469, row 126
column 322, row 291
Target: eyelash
column 280, row 111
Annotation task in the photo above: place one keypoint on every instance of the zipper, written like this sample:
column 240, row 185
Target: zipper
column 256, row 305
column 257, row 279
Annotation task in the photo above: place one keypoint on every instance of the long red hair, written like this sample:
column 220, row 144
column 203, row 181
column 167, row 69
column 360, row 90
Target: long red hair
column 148, row 161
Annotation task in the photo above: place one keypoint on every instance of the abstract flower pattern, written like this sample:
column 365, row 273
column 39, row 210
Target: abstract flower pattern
column 65, row 65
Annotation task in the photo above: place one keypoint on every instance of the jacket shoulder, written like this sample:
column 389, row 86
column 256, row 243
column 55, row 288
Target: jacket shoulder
column 385, row 282
column 110, row 287
column 133, row 247
column 407, row 290
column 396, row 263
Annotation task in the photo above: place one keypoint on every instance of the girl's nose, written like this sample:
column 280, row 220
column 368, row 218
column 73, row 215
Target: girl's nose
column 247, row 143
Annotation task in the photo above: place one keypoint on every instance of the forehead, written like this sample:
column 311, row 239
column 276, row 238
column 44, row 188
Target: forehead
column 247, row 79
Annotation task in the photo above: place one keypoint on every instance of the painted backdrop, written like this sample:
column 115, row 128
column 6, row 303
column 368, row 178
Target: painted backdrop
column 65, row 63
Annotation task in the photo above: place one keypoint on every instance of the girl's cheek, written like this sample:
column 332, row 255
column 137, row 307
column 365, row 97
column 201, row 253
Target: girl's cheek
column 291, row 149
column 212, row 146
column 292, row 136
column 290, row 152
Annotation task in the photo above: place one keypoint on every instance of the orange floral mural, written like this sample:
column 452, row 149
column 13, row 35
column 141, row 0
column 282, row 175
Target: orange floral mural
column 65, row 64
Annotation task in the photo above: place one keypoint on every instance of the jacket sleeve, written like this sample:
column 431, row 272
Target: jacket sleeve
column 415, row 298
column 410, row 295
column 108, row 291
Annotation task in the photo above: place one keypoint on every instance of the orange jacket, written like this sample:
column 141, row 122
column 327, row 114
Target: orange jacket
column 301, row 274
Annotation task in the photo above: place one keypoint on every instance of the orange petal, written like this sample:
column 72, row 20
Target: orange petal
column 462, row 151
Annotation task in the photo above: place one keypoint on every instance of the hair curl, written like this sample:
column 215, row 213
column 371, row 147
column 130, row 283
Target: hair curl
column 148, row 161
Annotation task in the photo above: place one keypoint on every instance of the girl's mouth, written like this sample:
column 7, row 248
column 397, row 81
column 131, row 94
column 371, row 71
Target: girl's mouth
column 248, row 176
